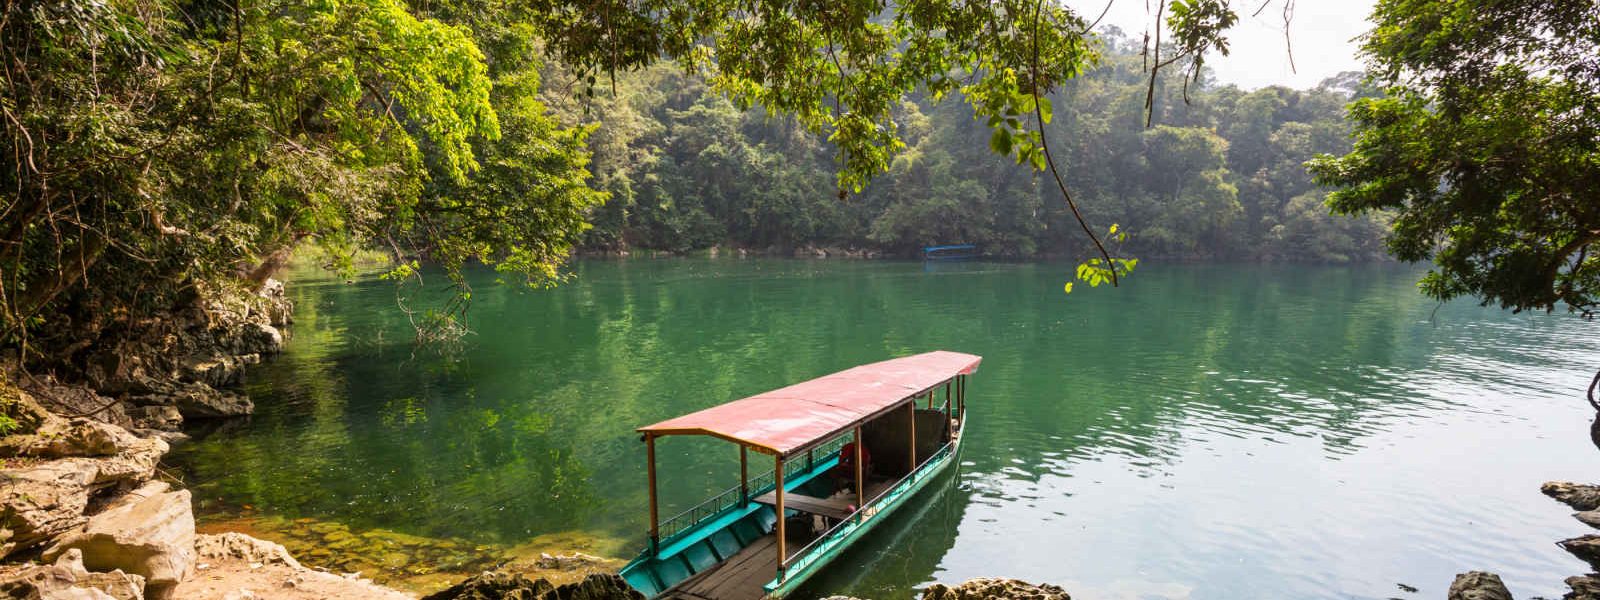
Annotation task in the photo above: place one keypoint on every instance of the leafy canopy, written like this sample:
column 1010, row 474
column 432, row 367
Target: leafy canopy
column 1486, row 147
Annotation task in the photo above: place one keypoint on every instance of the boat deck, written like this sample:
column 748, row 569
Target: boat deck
column 741, row 577
column 744, row 574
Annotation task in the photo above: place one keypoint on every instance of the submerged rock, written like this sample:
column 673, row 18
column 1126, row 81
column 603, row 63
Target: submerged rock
column 504, row 586
column 1478, row 585
column 152, row 536
column 1577, row 495
column 995, row 589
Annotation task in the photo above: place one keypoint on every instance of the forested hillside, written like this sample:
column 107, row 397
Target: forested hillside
column 1218, row 176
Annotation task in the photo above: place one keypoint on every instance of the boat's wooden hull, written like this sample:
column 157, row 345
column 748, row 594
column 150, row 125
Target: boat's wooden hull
column 846, row 535
column 687, row 559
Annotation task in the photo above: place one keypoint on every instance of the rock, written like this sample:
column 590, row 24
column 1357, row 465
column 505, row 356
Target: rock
column 260, row 338
column 1588, row 517
column 497, row 586
column 42, row 501
column 68, row 579
column 161, row 418
column 217, row 371
column 77, row 400
column 200, row 401
column 1584, row 587
column 276, row 305
column 59, row 438
column 1577, row 495
column 232, row 545
column 567, row 562
column 153, row 537
column 240, row 595
column 22, row 407
column 1586, row 547
column 995, row 589
column 1478, row 585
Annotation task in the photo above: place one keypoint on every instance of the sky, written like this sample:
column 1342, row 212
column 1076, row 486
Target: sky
column 1323, row 33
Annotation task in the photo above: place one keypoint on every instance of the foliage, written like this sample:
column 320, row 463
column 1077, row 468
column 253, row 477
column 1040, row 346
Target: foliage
column 1486, row 148
column 161, row 147
column 687, row 170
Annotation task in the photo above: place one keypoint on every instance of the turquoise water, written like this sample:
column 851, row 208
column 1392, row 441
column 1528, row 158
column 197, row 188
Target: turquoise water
column 1204, row 432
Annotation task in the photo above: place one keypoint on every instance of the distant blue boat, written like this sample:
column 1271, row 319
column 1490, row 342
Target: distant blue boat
column 950, row 252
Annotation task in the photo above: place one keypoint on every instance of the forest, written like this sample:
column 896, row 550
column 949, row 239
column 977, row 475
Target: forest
column 1219, row 175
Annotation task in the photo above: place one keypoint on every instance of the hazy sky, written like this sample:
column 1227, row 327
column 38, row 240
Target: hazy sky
column 1323, row 33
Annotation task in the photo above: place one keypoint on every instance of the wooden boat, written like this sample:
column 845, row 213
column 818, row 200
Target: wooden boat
column 847, row 450
column 950, row 252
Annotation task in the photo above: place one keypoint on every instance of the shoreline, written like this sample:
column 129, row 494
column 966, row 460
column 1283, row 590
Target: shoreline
column 89, row 507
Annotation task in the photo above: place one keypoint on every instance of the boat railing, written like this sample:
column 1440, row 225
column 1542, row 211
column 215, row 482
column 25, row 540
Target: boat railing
column 807, row 554
column 740, row 495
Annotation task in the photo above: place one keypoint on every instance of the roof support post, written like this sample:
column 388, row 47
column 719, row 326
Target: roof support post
column 947, row 401
column 912, row 411
column 655, row 519
column 744, row 475
column 961, row 399
column 783, row 555
column 861, row 487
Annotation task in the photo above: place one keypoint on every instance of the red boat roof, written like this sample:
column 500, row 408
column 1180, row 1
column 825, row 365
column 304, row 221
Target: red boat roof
column 788, row 419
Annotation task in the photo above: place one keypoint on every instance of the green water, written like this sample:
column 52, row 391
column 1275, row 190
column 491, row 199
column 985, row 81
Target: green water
column 1219, row 431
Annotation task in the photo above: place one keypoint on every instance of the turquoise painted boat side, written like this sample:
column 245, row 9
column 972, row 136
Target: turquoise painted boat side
column 708, row 543
column 847, row 534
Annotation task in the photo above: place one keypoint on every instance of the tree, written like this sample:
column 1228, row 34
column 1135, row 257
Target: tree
column 1486, row 148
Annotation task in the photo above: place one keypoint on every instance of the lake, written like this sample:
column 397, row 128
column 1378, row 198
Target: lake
column 1204, row 431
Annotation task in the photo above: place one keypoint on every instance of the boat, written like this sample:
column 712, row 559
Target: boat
column 950, row 252
column 847, row 450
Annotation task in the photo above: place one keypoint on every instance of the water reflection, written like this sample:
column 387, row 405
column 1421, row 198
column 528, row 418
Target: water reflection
column 1204, row 431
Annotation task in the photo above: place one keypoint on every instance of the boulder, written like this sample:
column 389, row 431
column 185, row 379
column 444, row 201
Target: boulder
column 238, row 546
column 40, row 502
column 1478, row 585
column 492, row 585
column 1586, row 547
column 260, row 338
column 1588, row 517
column 153, row 537
column 217, row 371
column 201, row 401
column 1577, row 495
column 67, row 579
column 1584, row 587
column 59, row 438
column 995, row 589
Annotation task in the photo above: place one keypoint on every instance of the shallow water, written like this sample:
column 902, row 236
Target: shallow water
column 1205, row 432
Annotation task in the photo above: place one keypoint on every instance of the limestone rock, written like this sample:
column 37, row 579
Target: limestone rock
column 67, row 579
column 1586, row 547
column 42, row 501
column 217, row 371
column 153, row 537
column 1588, row 517
column 59, row 438
column 243, row 547
column 260, row 338
column 197, row 400
column 1478, row 585
column 1584, row 587
column 995, row 589
column 567, row 562
column 1577, row 495
column 497, row 586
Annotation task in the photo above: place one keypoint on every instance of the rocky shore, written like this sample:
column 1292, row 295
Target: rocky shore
column 84, row 510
